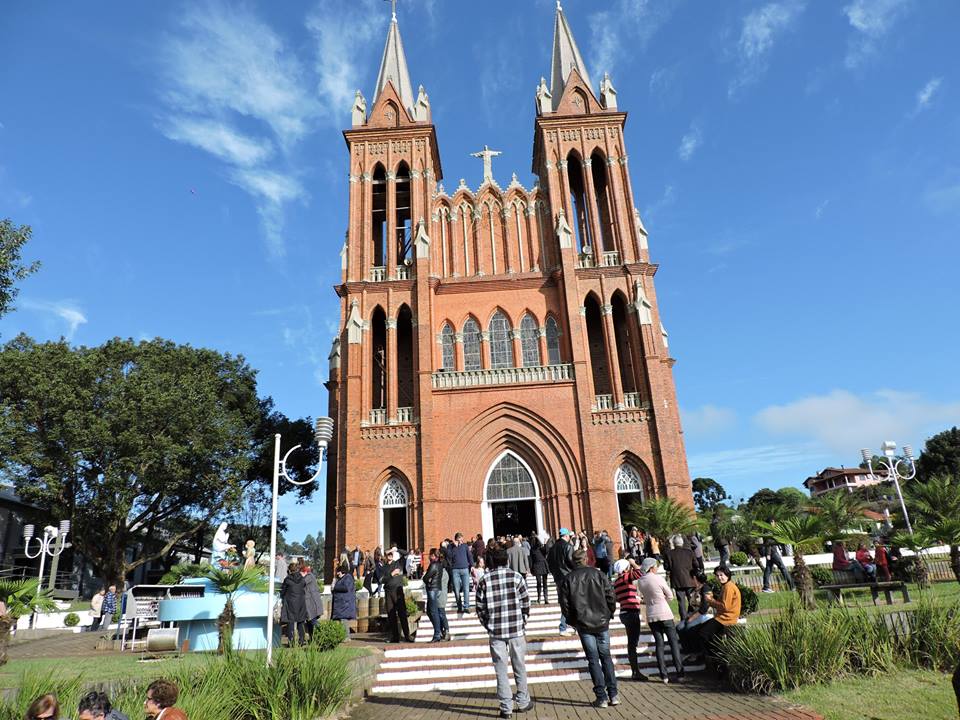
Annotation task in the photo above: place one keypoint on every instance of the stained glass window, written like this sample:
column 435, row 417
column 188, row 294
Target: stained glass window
column 449, row 353
column 471, row 345
column 394, row 494
column 530, row 341
column 510, row 480
column 501, row 346
column 553, row 342
column 628, row 480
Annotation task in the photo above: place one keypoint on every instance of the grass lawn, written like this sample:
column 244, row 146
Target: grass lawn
column 105, row 668
column 949, row 591
column 913, row 694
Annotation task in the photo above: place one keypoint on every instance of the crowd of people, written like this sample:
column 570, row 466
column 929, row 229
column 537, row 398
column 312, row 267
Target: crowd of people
column 159, row 704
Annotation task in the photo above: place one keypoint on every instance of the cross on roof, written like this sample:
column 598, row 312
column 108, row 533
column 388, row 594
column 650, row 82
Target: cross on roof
column 487, row 154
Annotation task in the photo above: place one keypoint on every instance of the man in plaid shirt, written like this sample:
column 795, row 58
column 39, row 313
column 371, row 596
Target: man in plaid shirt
column 502, row 606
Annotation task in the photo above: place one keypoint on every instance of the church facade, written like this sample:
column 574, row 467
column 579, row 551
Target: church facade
column 501, row 365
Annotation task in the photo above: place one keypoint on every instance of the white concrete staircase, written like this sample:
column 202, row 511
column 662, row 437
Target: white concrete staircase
column 464, row 663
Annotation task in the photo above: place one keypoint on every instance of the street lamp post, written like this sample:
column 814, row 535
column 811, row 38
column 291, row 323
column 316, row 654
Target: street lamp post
column 51, row 536
column 891, row 467
column 323, row 434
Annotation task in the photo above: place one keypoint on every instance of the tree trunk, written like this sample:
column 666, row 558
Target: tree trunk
column 225, row 627
column 6, row 624
column 803, row 580
column 955, row 561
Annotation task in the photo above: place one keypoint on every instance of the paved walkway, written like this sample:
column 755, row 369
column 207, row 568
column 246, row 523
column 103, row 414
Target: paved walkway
column 698, row 699
column 64, row 645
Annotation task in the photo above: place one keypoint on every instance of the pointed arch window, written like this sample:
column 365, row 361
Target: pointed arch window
column 628, row 480
column 378, row 216
column 394, row 494
column 501, row 348
column 471, row 345
column 553, row 341
column 598, row 166
column 578, row 202
column 510, row 480
column 447, row 346
column 530, row 341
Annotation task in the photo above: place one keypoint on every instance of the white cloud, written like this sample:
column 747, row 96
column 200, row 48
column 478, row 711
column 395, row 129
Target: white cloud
column 707, row 420
column 225, row 68
column 762, row 460
column 219, row 139
column 617, row 33
column 690, row 142
column 820, row 209
column 344, row 34
column 761, row 28
column 65, row 310
column 871, row 21
column 926, row 93
column 844, row 422
column 943, row 199
column 668, row 198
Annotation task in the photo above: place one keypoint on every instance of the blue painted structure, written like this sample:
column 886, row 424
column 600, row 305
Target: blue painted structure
column 197, row 618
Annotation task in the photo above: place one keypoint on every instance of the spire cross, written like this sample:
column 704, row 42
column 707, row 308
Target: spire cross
column 487, row 154
column 393, row 8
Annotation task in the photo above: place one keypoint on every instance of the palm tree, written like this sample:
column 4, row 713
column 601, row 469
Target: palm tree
column 805, row 533
column 662, row 518
column 229, row 581
column 840, row 514
column 19, row 598
column 936, row 503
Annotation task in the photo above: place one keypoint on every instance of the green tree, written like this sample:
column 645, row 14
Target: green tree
column 805, row 534
column 12, row 269
column 763, row 497
column 793, row 498
column 707, row 494
column 662, row 518
column 936, row 513
column 229, row 581
column 841, row 515
column 313, row 549
column 940, row 456
column 19, row 598
column 138, row 444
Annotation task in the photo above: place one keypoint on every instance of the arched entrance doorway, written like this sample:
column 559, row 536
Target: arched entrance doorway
column 511, row 498
column 394, row 504
column 629, row 487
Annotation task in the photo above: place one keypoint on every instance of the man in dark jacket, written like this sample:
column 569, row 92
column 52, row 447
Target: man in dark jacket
column 461, row 560
column 681, row 563
column 433, row 583
column 396, row 601
column 588, row 602
column 560, row 562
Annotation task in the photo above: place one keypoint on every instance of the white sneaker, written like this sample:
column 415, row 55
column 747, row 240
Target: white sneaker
column 768, row 590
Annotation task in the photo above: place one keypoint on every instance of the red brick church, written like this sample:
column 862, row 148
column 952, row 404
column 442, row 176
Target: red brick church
column 501, row 365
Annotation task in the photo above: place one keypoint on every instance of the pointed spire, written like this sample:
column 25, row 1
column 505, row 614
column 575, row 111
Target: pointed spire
column 393, row 68
column 566, row 56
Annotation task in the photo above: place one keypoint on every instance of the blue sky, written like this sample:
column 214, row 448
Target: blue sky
column 796, row 163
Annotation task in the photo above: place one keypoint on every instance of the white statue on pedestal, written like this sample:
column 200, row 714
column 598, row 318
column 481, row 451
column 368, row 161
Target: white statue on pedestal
column 221, row 544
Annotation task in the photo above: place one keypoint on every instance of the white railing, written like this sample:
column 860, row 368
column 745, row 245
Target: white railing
column 378, row 417
column 603, row 402
column 403, row 272
column 405, row 415
column 631, row 400
column 611, row 258
column 378, row 273
column 503, row 376
column 585, row 260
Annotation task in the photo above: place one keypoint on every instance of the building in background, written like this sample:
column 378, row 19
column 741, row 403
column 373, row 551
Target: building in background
column 501, row 365
column 849, row 479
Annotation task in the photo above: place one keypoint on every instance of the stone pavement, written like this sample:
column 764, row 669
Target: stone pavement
column 63, row 645
column 698, row 699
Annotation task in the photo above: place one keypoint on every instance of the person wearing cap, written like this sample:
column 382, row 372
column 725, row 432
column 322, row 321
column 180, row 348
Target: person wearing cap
column 657, row 596
column 588, row 603
column 560, row 562
column 626, row 573
column 396, row 601
column 503, row 606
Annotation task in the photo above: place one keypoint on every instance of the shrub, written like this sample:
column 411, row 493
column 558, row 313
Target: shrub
column 739, row 558
column 406, row 581
column 71, row 620
column 327, row 634
column 749, row 602
column 821, row 575
column 932, row 635
column 412, row 607
column 358, row 585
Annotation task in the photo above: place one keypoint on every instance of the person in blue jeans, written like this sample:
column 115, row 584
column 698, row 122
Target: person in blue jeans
column 461, row 560
column 588, row 602
column 436, row 597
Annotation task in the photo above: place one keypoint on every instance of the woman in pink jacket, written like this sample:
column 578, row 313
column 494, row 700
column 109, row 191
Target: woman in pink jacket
column 657, row 596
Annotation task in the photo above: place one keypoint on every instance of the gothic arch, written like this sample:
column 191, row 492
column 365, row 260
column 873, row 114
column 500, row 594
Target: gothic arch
column 508, row 426
column 394, row 501
column 597, row 346
column 627, row 457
